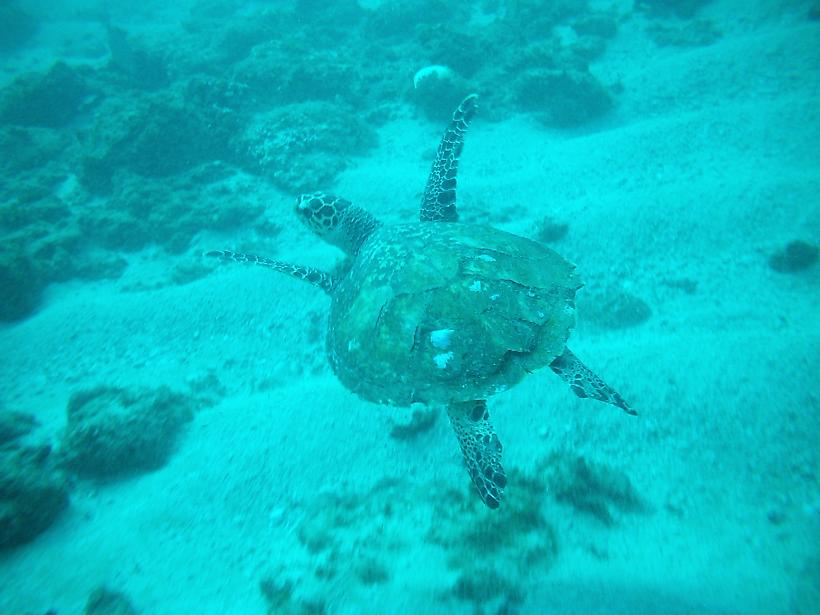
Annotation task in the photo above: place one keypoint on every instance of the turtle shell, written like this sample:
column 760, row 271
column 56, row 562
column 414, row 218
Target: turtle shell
column 440, row 312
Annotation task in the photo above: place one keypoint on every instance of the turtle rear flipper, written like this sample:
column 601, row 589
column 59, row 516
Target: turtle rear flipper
column 481, row 449
column 585, row 383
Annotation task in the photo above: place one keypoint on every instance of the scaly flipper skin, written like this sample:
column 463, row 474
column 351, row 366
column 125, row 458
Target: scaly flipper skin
column 439, row 201
column 585, row 383
column 316, row 277
column 480, row 447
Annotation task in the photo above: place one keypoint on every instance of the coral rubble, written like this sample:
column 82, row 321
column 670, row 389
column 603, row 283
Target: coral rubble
column 113, row 431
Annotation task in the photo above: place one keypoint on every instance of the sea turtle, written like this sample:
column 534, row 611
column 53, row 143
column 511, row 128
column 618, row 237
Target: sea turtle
column 441, row 312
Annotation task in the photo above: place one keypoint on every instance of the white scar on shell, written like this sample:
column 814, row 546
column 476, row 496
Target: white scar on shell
column 443, row 359
column 441, row 338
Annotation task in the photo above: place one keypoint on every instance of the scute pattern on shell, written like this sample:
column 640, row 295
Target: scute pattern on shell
column 508, row 301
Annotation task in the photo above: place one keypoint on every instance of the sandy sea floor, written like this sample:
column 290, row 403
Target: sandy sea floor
column 708, row 165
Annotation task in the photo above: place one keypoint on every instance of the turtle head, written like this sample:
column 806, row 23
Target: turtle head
column 336, row 220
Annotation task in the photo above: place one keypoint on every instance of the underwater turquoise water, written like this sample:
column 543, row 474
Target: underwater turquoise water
column 181, row 433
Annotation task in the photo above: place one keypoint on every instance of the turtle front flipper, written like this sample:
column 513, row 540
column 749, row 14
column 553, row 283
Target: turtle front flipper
column 585, row 383
column 439, row 201
column 318, row 278
column 481, row 449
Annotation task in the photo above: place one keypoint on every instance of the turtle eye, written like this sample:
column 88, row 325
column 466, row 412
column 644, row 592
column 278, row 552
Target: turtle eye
column 308, row 204
column 309, row 209
column 320, row 211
